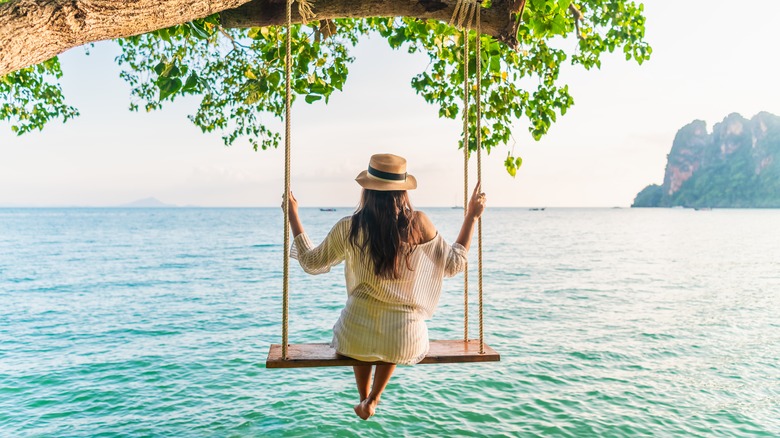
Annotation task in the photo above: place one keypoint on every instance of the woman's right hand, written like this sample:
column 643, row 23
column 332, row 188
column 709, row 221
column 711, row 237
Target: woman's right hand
column 293, row 206
column 476, row 203
column 295, row 222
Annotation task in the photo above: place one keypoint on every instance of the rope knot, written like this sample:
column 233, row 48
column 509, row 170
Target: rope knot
column 305, row 10
column 464, row 13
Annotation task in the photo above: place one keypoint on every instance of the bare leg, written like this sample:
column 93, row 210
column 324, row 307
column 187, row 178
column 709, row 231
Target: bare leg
column 363, row 379
column 367, row 407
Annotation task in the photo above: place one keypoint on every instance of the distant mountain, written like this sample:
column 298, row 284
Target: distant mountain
column 737, row 165
column 147, row 203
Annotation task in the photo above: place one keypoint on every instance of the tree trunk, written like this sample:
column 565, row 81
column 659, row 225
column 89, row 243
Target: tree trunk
column 32, row 31
column 498, row 20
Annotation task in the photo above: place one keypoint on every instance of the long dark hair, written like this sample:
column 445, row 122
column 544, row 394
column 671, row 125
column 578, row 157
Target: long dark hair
column 381, row 223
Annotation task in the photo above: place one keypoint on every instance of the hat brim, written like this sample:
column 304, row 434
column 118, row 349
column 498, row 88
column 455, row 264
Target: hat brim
column 371, row 183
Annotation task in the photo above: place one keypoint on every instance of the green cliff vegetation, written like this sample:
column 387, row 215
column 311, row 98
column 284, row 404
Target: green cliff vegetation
column 736, row 166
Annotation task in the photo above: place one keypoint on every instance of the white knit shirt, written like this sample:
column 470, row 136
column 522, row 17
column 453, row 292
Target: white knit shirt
column 383, row 319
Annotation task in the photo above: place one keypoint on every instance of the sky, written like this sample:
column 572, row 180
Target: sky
column 710, row 59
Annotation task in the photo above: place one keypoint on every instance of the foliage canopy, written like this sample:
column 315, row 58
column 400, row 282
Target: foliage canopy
column 239, row 73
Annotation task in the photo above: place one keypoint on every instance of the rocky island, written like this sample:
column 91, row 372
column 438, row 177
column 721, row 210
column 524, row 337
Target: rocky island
column 735, row 166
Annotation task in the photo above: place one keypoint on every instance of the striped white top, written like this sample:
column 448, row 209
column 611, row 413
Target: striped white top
column 383, row 319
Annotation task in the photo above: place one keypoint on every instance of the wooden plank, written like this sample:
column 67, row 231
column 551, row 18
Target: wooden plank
column 322, row 355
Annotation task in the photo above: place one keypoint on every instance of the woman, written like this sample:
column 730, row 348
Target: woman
column 395, row 262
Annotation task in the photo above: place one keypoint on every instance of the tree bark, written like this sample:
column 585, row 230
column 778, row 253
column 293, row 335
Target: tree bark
column 32, row 31
column 498, row 20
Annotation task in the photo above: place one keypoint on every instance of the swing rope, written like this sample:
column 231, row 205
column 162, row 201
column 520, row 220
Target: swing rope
column 287, row 125
column 305, row 11
column 465, row 175
column 465, row 11
column 478, row 54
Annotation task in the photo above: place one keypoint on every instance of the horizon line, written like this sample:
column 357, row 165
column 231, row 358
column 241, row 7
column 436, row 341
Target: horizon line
column 339, row 207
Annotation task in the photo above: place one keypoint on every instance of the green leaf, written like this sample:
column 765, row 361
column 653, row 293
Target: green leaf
column 174, row 71
column 310, row 98
column 274, row 78
column 319, row 88
column 192, row 81
column 495, row 64
column 163, row 33
column 198, row 29
column 168, row 87
column 511, row 168
column 558, row 25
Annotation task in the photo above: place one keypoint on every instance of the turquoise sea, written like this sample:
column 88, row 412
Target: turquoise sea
column 610, row 322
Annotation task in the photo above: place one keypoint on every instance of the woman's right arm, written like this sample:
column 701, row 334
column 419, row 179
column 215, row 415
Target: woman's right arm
column 473, row 212
column 319, row 259
column 292, row 210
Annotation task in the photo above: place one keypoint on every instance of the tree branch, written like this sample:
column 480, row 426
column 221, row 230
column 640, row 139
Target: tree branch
column 577, row 15
column 32, row 31
column 498, row 21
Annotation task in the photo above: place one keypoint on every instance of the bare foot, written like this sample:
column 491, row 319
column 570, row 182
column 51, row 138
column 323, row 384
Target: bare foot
column 366, row 408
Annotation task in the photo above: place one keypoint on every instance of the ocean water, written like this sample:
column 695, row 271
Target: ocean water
column 610, row 322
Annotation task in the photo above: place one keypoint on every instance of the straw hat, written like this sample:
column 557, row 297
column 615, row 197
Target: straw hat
column 386, row 172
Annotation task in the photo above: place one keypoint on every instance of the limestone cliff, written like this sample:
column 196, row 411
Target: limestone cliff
column 737, row 165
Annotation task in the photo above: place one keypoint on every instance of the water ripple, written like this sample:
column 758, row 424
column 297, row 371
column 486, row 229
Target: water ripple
column 124, row 322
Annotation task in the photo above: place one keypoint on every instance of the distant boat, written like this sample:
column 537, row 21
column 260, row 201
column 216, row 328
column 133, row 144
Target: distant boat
column 327, row 209
column 457, row 207
column 536, row 209
column 702, row 208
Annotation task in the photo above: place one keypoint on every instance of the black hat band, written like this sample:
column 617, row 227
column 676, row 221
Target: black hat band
column 386, row 175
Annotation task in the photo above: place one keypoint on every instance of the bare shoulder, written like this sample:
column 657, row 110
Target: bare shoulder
column 426, row 226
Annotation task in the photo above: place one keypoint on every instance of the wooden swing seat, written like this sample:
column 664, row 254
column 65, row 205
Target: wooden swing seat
column 322, row 355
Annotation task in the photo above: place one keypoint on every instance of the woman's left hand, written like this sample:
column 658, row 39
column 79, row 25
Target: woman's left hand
column 477, row 203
